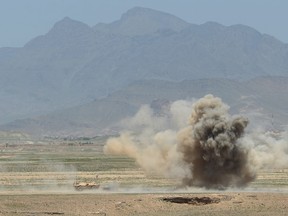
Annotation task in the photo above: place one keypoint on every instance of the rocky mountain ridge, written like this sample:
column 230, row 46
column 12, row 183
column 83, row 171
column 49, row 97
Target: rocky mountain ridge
column 74, row 64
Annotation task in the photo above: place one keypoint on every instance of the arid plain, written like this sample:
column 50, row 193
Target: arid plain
column 40, row 178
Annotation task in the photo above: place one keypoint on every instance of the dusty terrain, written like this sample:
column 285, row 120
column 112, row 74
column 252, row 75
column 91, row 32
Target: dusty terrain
column 38, row 180
column 240, row 203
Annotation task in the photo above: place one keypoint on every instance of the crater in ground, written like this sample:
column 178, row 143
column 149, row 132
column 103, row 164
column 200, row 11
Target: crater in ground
column 192, row 200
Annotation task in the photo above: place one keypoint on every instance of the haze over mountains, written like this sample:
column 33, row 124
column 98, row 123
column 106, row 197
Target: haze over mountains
column 81, row 80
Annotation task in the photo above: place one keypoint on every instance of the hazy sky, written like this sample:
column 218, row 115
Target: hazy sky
column 22, row 20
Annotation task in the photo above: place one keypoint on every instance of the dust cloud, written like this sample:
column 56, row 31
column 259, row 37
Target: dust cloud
column 211, row 149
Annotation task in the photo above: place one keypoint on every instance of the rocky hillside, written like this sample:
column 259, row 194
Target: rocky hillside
column 74, row 64
column 263, row 106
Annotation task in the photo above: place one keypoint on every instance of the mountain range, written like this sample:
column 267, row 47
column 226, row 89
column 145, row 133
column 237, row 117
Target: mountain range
column 79, row 79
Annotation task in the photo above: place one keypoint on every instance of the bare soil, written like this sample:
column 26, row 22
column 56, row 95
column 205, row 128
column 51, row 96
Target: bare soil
column 38, row 180
column 226, row 203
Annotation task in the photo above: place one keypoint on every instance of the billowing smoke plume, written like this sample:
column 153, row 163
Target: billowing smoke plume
column 209, row 150
column 212, row 148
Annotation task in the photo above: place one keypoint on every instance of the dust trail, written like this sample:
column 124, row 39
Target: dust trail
column 209, row 151
column 151, row 140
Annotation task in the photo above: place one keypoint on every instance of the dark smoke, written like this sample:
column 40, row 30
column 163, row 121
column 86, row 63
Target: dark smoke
column 214, row 152
column 211, row 151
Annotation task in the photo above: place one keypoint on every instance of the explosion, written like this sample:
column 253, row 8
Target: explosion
column 212, row 146
column 209, row 151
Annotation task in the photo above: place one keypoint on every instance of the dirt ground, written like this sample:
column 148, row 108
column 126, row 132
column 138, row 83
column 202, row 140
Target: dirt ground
column 112, row 204
column 38, row 180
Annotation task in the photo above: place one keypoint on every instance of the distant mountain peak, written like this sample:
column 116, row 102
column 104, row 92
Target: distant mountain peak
column 141, row 11
column 213, row 24
column 68, row 23
column 64, row 30
column 137, row 9
column 141, row 21
column 66, row 19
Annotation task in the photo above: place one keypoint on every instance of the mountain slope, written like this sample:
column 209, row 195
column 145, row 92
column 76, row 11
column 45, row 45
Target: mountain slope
column 102, row 116
column 198, row 51
column 74, row 63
